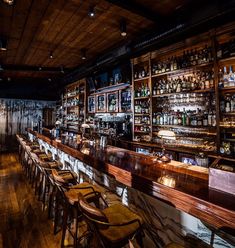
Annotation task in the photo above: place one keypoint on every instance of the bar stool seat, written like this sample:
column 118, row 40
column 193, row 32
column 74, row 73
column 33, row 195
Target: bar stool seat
column 84, row 188
column 64, row 176
column 119, row 214
column 115, row 225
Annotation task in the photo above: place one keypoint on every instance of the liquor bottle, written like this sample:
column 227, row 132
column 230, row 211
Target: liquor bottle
column 154, row 90
column 179, row 117
column 161, row 120
column 209, row 118
column 187, row 119
column 199, row 117
column 136, row 75
column 231, row 80
column 184, row 117
column 154, row 119
column 175, row 64
column 205, row 119
column 213, row 119
column 211, row 79
column 221, row 81
column 207, row 81
column 225, row 77
column 228, row 104
column 143, row 73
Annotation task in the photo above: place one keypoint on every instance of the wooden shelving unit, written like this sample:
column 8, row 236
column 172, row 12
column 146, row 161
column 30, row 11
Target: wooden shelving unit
column 74, row 106
column 147, row 63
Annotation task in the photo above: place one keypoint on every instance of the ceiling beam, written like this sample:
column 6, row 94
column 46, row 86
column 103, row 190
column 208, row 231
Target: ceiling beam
column 25, row 68
column 138, row 9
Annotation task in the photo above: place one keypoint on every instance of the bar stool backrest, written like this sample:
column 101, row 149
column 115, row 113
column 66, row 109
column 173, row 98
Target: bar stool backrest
column 92, row 213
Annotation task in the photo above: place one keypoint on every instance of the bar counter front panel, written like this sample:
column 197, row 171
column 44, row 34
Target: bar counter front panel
column 180, row 192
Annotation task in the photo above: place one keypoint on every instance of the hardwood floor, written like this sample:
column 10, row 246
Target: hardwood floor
column 23, row 224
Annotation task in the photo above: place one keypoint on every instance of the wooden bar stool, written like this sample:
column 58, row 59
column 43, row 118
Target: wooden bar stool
column 67, row 203
column 114, row 226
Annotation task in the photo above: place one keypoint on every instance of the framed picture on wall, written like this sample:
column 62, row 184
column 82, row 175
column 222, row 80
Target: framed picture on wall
column 112, row 101
column 100, row 103
column 91, row 104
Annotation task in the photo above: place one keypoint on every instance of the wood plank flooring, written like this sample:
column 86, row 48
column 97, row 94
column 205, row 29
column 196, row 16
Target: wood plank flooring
column 23, row 224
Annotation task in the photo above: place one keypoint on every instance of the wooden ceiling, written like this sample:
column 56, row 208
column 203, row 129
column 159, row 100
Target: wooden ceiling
column 34, row 29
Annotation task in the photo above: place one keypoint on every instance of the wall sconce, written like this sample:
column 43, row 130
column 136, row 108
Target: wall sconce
column 123, row 28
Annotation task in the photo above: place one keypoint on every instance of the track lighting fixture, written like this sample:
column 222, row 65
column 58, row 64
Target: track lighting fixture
column 3, row 44
column 10, row 2
column 123, row 27
column 91, row 12
column 51, row 55
column 83, row 53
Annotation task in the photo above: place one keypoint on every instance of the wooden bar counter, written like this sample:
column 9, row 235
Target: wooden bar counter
column 183, row 186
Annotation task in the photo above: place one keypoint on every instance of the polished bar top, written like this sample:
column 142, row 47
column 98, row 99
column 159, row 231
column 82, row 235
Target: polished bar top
column 182, row 186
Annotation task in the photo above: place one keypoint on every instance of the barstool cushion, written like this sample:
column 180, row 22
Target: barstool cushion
column 64, row 176
column 74, row 191
column 118, row 213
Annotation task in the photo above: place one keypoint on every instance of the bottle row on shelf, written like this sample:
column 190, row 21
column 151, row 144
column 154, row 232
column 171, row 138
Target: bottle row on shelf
column 144, row 129
column 189, row 58
column 73, row 102
column 227, row 103
column 73, row 117
column 186, row 99
column 77, row 90
column 142, row 107
column 142, row 120
column 196, row 118
column 142, row 91
column 197, row 81
column 226, row 77
column 226, row 49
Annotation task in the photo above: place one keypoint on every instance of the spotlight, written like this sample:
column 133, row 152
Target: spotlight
column 49, row 79
column 3, row 44
column 62, row 69
column 1, row 69
column 83, row 53
column 51, row 55
column 123, row 28
column 10, row 2
column 40, row 68
column 91, row 12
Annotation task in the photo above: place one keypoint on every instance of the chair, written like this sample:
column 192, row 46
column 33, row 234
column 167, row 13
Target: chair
column 66, row 203
column 114, row 226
